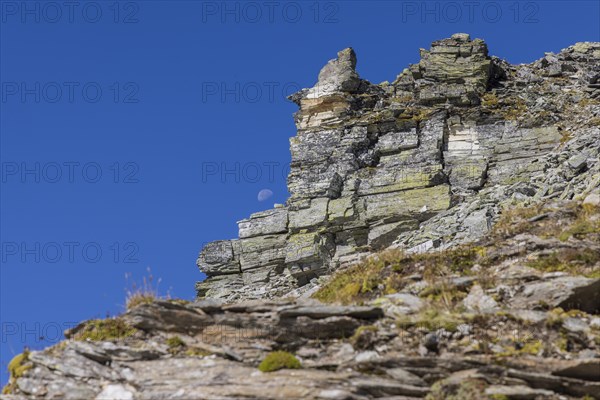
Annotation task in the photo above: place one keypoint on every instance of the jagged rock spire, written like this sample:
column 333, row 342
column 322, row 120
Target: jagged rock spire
column 337, row 76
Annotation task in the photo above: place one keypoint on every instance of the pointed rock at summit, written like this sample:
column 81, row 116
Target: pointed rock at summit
column 337, row 76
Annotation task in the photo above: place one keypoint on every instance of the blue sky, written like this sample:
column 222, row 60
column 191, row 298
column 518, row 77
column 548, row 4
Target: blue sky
column 134, row 132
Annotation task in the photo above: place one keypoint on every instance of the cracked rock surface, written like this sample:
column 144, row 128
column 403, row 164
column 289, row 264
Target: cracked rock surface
column 423, row 163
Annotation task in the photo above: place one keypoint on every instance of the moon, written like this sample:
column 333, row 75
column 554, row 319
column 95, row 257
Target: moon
column 264, row 194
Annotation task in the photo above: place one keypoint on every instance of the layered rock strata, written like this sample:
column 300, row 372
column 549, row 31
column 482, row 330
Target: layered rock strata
column 371, row 164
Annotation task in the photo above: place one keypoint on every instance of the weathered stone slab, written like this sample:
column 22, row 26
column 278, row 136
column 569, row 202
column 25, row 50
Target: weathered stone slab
column 315, row 214
column 383, row 235
column 567, row 292
column 261, row 251
column 264, row 223
column 418, row 203
column 323, row 311
column 220, row 258
column 341, row 209
column 389, row 177
column 309, row 248
column 168, row 316
column 393, row 142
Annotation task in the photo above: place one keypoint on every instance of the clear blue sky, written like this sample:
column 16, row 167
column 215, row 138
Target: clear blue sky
column 117, row 121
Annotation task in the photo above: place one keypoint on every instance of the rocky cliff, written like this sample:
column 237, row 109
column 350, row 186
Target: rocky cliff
column 441, row 241
column 423, row 162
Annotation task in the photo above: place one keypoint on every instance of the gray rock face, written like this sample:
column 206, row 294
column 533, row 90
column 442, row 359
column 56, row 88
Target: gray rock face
column 455, row 70
column 427, row 159
column 264, row 223
column 339, row 348
column 565, row 292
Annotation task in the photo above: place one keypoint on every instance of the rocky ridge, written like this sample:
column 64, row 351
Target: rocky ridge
column 441, row 241
column 424, row 162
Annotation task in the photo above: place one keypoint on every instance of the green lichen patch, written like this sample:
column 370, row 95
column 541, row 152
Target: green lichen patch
column 279, row 360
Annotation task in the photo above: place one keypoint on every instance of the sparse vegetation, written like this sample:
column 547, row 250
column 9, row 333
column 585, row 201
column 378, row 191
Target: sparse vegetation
column 176, row 344
column 515, row 110
column 363, row 336
column 279, row 360
column 384, row 273
column 587, row 222
column 469, row 389
column 16, row 368
column 104, row 329
column 489, row 100
column 572, row 261
column 557, row 316
column 143, row 293
column 532, row 348
column 433, row 319
column 357, row 281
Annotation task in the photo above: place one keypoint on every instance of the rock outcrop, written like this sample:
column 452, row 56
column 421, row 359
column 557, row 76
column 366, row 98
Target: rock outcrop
column 424, row 162
column 441, row 241
column 211, row 350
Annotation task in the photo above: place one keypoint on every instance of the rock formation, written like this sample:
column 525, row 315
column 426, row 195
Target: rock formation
column 441, row 241
column 450, row 139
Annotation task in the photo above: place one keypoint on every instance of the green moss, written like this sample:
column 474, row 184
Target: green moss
column 348, row 285
column 557, row 316
column 469, row 389
column 433, row 319
column 105, row 329
column 489, row 100
column 196, row 352
column 384, row 273
column 18, row 365
column 533, row 348
column 279, row 360
column 562, row 343
column 17, row 368
column 175, row 344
